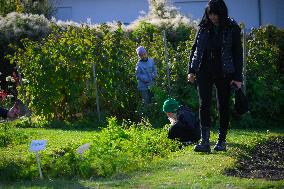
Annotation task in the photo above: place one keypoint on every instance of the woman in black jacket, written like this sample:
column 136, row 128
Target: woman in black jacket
column 216, row 59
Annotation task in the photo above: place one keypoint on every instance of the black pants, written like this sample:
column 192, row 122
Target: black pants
column 183, row 133
column 205, row 82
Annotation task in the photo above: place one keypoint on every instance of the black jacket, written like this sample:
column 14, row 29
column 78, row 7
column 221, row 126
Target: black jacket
column 187, row 126
column 231, row 50
column 3, row 112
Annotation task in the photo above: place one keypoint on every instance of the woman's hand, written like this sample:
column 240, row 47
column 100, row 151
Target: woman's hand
column 172, row 120
column 191, row 77
column 237, row 83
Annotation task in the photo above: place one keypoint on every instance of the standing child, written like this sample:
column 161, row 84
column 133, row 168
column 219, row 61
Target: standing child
column 145, row 74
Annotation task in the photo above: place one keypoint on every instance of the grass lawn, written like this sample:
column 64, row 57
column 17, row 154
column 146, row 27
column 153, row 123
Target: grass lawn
column 183, row 169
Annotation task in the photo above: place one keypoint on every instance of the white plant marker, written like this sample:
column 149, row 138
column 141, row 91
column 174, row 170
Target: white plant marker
column 37, row 145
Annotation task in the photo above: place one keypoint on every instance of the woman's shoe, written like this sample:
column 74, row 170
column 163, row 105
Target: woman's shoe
column 202, row 147
column 220, row 146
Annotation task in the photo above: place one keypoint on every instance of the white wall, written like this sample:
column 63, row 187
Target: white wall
column 273, row 12
column 245, row 11
column 193, row 9
column 100, row 11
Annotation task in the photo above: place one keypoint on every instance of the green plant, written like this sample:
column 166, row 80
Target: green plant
column 54, row 75
column 117, row 149
column 59, row 71
column 14, row 27
column 60, row 79
column 39, row 7
column 7, row 7
column 176, row 169
column 265, row 75
column 11, row 136
column 120, row 149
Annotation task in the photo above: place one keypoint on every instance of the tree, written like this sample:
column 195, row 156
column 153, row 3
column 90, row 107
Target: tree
column 162, row 9
column 44, row 7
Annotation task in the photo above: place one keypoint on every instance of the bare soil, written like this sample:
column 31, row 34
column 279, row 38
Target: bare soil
column 265, row 161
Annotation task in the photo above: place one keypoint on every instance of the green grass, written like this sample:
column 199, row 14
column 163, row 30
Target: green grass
column 183, row 169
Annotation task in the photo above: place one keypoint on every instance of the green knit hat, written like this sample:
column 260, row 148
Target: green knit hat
column 170, row 105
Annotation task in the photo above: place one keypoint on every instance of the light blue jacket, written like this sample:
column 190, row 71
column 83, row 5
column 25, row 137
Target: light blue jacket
column 145, row 73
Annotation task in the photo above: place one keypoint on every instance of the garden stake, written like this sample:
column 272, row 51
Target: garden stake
column 96, row 91
column 167, row 62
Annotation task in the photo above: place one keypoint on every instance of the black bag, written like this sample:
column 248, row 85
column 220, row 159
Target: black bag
column 241, row 101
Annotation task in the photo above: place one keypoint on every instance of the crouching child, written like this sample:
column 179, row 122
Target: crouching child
column 184, row 124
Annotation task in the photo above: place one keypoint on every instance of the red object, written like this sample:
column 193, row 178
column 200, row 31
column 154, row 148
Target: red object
column 3, row 95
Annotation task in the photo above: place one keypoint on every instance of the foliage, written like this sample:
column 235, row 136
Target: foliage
column 13, row 28
column 55, row 78
column 62, row 68
column 11, row 136
column 60, row 76
column 61, row 165
column 60, row 79
column 117, row 149
column 122, row 149
column 7, row 7
column 163, row 15
column 265, row 74
column 17, row 26
column 71, row 90
column 63, row 162
column 40, row 7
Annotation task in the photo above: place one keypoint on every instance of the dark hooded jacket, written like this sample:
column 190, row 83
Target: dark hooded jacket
column 231, row 50
column 187, row 126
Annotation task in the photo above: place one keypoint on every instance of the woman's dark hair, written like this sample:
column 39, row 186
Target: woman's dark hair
column 217, row 7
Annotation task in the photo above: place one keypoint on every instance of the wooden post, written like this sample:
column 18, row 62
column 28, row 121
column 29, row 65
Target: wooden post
column 244, row 58
column 96, row 91
column 167, row 62
column 27, row 112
